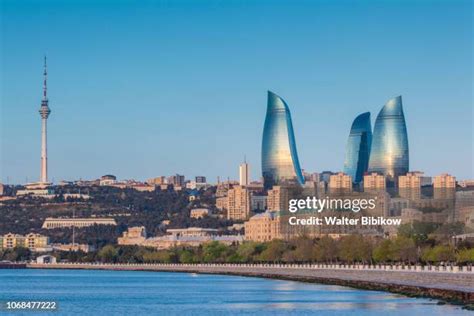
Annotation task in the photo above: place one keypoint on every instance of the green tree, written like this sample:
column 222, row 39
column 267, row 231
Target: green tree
column 214, row 252
column 325, row 250
column 273, row 252
column 186, row 256
column 404, row 249
column 247, row 250
column 304, row 251
column 383, row 252
column 162, row 256
column 108, row 254
column 440, row 253
column 354, row 248
column 465, row 256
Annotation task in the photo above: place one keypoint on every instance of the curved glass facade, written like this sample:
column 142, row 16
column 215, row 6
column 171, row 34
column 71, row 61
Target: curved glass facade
column 389, row 153
column 279, row 157
column 358, row 147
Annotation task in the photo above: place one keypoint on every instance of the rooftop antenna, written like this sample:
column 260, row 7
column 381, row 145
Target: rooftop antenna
column 73, row 229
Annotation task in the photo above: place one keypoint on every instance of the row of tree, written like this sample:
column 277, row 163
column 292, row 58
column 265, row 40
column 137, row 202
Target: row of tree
column 349, row 249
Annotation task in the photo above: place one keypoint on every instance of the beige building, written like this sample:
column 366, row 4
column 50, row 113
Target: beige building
column 410, row 180
column 444, row 187
column 133, row 236
column 278, row 199
column 444, row 181
column 51, row 223
column 191, row 237
column 221, row 203
column 340, row 182
column 199, row 212
column 374, row 182
column 143, row 187
column 72, row 247
column 414, row 215
column 263, row 227
column 157, row 181
column 223, row 187
column 37, row 189
column 32, row 241
column 238, row 203
column 108, row 179
column 409, row 185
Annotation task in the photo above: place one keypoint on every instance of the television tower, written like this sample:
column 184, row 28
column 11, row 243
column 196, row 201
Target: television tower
column 44, row 111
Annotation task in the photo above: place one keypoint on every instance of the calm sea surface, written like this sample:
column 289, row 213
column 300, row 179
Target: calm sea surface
column 83, row 292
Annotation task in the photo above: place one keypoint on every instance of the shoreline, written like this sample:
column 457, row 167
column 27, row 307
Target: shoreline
column 447, row 287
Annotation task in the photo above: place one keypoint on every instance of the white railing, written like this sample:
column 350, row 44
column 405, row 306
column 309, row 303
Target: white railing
column 313, row 266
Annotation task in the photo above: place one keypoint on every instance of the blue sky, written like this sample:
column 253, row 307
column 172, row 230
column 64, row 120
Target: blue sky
column 148, row 88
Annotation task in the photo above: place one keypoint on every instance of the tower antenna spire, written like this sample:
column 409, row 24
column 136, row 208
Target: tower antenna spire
column 45, row 85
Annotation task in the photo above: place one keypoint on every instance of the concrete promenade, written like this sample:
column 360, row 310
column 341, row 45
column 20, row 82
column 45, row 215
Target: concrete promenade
column 454, row 284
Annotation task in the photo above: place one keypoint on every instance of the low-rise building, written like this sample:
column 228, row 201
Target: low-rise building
column 157, row 181
column 193, row 237
column 37, row 189
column 76, row 196
column 46, row 259
column 199, row 212
column 141, row 187
column 133, row 236
column 32, row 241
column 108, row 179
column 263, row 227
column 414, row 215
column 51, row 223
column 73, row 247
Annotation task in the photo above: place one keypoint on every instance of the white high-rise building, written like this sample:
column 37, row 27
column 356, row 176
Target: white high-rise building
column 44, row 112
column 244, row 174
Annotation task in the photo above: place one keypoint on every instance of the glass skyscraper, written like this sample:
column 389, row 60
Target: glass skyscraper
column 279, row 156
column 389, row 153
column 358, row 147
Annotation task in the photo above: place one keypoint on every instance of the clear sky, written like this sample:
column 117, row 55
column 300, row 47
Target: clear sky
column 146, row 88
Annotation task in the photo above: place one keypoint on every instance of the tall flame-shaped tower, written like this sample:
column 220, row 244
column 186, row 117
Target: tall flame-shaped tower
column 44, row 111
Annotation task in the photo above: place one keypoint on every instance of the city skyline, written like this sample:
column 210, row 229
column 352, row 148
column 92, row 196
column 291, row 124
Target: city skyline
column 121, row 110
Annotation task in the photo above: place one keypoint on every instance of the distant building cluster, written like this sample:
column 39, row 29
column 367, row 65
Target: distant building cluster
column 192, row 236
column 38, row 243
